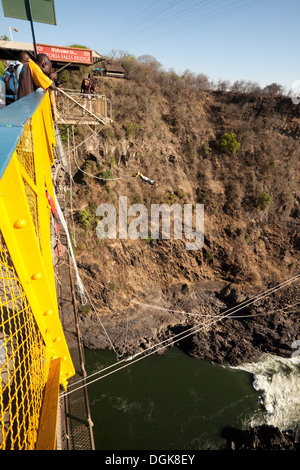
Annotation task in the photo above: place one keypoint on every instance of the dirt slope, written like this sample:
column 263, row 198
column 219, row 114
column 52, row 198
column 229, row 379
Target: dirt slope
column 169, row 129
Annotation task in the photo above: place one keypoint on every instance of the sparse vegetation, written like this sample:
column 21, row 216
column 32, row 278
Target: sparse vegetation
column 85, row 311
column 168, row 126
column 229, row 144
column 231, row 148
column 132, row 129
column 106, row 175
column 84, row 218
column 2, row 68
column 263, row 201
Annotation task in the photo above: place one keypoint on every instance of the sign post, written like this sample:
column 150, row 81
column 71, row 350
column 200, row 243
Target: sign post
column 28, row 11
column 66, row 54
column 40, row 11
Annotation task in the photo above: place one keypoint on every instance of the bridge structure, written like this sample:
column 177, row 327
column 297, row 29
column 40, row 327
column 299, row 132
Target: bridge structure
column 73, row 107
column 36, row 360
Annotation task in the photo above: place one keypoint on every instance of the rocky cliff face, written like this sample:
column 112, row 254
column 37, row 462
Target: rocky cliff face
column 261, row 438
column 148, row 292
column 170, row 129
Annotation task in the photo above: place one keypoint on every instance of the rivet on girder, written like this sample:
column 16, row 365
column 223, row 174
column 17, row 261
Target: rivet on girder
column 36, row 276
column 20, row 223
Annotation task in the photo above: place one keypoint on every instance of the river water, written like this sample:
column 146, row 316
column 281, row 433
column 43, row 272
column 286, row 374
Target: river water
column 167, row 402
column 176, row 402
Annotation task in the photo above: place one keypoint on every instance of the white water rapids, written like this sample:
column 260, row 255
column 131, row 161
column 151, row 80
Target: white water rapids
column 278, row 381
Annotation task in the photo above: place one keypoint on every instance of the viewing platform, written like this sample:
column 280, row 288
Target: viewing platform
column 36, row 363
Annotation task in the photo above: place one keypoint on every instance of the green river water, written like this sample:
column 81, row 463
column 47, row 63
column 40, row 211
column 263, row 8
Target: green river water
column 169, row 402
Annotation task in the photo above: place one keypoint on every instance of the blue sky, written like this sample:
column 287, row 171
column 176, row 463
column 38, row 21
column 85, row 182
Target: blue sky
column 255, row 40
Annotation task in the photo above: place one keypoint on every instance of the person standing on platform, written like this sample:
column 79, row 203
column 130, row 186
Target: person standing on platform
column 36, row 75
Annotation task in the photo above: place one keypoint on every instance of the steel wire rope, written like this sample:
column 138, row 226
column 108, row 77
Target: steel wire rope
column 265, row 314
column 186, row 10
column 90, row 113
column 164, row 20
column 232, row 309
column 243, row 304
column 126, row 333
column 241, row 316
column 94, row 134
column 225, row 314
column 140, row 21
column 137, row 360
column 206, row 315
column 246, row 303
column 129, row 26
column 217, row 317
column 232, row 8
column 84, row 288
column 231, row 317
column 137, row 17
column 101, row 323
column 212, row 16
column 98, row 177
column 71, row 186
column 98, row 316
column 219, row 14
column 235, row 7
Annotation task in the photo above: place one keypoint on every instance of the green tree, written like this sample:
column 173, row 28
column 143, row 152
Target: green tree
column 78, row 46
column 2, row 68
column 3, row 37
column 263, row 201
column 229, row 144
column 85, row 218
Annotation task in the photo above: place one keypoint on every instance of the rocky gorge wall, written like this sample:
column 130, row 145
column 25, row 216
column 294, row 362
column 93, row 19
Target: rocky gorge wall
column 170, row 129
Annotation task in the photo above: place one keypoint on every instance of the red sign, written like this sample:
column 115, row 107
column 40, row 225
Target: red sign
column 66, row 54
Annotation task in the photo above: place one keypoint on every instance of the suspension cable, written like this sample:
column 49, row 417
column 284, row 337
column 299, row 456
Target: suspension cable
column 190, row 331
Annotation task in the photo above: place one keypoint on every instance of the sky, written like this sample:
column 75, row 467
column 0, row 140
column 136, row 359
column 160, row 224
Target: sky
column 256, row 40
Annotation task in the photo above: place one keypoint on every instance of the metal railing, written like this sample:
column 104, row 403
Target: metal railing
column 73, row 107
column 34, row 356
